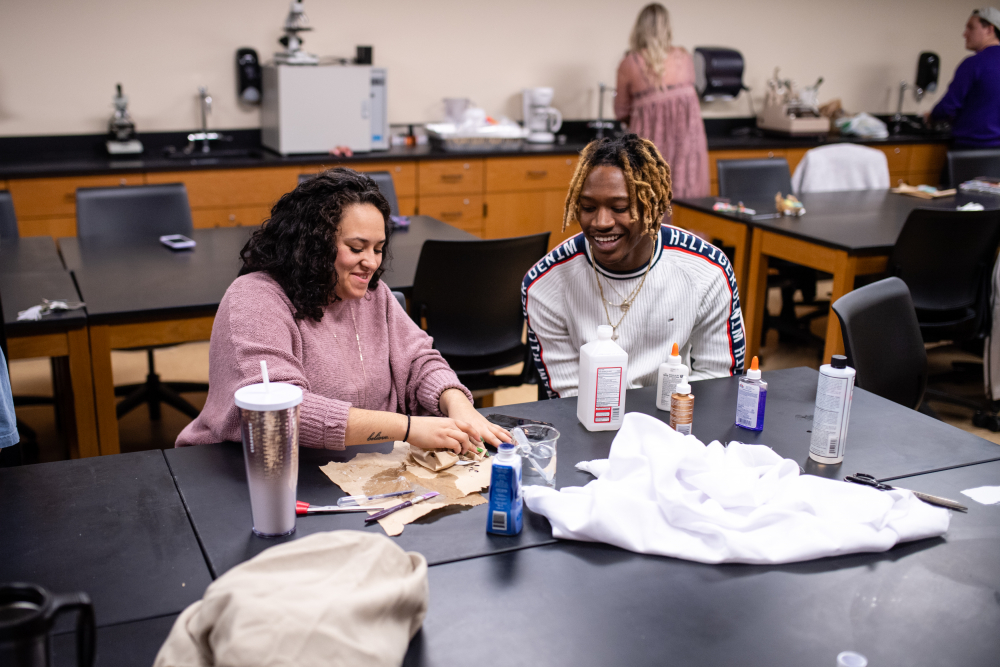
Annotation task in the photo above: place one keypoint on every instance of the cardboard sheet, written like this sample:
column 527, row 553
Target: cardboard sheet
column 371, row 474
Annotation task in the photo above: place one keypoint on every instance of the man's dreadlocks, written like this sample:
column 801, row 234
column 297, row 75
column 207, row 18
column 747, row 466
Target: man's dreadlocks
column 646, row 174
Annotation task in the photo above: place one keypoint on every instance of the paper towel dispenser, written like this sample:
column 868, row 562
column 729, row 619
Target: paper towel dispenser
column 718, row 72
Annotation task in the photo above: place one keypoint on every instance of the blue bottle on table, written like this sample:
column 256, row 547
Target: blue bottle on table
column 506, row 505
column 751, row 400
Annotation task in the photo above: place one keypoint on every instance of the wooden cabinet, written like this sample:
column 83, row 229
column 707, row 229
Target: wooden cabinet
column 47, row 206
column 216, row 188
column 899, row 162
column 524, row 174
column 450, row 177
column 404, row 174
column 522, row 213
column 462, row 211
column 926, row 163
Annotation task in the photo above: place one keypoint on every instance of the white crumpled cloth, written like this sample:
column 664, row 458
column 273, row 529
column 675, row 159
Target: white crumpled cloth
column 667, row 494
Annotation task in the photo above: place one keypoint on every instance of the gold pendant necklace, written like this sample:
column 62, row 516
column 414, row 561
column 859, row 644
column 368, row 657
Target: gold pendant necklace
column 626, row 303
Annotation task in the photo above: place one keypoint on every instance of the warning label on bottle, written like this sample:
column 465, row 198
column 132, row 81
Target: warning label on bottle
column 609, row 392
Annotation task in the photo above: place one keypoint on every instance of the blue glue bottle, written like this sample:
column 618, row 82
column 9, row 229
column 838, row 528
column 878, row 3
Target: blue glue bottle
column 506, row 506
column 751, row 400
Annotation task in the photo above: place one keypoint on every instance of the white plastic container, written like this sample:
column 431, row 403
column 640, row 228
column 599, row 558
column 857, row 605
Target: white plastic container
column 603, row 378
column 834, row 395
column 671, row 372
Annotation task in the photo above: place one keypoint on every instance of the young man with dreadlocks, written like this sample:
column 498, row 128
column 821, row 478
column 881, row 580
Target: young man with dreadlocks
column 654, row 284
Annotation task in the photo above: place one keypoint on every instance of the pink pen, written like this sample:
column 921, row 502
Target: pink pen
column 387, row 512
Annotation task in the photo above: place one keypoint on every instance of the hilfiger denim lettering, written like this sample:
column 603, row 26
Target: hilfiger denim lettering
column 689, row 295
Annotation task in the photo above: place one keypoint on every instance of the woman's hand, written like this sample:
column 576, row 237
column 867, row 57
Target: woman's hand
column 456, row 405
column 443, row 433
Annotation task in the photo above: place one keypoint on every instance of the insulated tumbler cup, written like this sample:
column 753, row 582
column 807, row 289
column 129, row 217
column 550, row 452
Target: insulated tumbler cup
column 269, row 423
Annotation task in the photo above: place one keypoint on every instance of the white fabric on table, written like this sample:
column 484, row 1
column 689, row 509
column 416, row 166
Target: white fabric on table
column 667, row 494
column 985, row 495
column 841, row 167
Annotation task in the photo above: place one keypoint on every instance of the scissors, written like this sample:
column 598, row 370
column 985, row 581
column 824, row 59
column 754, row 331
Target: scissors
column 869, row 480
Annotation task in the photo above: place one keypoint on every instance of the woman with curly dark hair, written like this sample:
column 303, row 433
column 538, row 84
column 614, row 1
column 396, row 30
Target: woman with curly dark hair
column 313, row 307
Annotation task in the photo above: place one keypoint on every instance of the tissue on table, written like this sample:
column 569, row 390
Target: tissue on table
column 666, row 494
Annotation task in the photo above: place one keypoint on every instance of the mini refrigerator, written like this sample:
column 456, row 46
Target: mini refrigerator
column 314, row 108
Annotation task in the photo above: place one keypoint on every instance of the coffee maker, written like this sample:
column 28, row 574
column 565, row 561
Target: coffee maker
column 540, row 119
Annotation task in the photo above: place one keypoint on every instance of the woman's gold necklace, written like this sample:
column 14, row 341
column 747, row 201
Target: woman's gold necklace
column 626, row 302
column 361, row 356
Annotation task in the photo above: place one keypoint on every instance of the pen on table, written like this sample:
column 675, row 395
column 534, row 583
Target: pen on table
column 354, row 501
column 868, row 480
column 302, row 507
column 408, row 503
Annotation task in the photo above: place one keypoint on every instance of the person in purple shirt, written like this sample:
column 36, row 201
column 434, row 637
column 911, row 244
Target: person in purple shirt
column 972, row 103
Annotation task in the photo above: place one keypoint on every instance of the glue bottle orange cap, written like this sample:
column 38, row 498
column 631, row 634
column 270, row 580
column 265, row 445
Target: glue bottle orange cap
column 753, row 373
column 675, row 355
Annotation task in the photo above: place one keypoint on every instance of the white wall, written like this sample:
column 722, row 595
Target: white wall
column 60, row 59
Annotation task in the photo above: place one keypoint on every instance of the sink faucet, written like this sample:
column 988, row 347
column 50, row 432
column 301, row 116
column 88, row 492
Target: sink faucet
column 897, row 119
column 600, row 123
column 206, row 108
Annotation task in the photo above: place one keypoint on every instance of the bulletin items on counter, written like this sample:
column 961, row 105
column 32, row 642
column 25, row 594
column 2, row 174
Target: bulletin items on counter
column 671, row 372
column 751, row 399
column 682, row 408
column 506, row 513
column 603, row 379
column 834, row 395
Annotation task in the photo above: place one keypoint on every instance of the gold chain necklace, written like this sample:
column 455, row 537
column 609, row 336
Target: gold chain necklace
column 626, row 303
column 361, row 356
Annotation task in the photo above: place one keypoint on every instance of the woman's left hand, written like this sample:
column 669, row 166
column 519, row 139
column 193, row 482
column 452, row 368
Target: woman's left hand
column 456, row 405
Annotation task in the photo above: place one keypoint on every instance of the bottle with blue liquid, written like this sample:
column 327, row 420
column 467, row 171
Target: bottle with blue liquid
column 751, row 400
column 506, row 505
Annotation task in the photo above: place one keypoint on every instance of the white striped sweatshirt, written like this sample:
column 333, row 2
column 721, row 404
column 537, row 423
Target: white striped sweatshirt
column 689, row 298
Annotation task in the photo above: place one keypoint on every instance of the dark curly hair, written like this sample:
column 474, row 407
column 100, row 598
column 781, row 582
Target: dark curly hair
column 297, row 246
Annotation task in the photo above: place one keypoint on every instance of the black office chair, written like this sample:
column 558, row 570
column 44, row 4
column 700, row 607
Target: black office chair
column 140, row 212
column 946, row 258
column 883, row 342
column 469, row 292
column 964, row 166
column 759, row 180
column 8, row 221
column 383, row 180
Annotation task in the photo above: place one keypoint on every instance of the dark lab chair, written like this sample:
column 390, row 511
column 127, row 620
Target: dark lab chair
column 383, row 180
column 8, row 221
column 469, row 292
column 883, row 342
column 946, row 258
column 964, row 166
column 756, row 181
column 140, row 212
column 401, row 299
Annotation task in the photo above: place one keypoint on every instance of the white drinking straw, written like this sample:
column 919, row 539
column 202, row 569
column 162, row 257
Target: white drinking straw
column 263, row 374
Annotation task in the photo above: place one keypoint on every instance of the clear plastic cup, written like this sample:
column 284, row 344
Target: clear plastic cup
column 269, row 423
column 538, row 455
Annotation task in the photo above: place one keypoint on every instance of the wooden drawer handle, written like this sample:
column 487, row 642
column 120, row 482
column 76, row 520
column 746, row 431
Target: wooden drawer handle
column 451, row 178
column 451, row 214
column 537, row 173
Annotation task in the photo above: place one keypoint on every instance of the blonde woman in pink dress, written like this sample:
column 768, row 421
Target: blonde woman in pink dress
column 656, row 97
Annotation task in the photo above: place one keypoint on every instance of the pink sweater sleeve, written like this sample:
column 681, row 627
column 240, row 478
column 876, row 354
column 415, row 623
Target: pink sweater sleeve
column 420, row 372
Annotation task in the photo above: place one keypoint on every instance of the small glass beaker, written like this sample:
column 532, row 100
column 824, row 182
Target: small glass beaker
column 538, row 458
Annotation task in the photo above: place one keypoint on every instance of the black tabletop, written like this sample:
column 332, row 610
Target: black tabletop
column 860, row 221
column 133, row 280
column 884, row 440
column 111, row 526
column 212, row 482
column 930, row 602
column 30, row 253
column 22, row 290
column 135, row 643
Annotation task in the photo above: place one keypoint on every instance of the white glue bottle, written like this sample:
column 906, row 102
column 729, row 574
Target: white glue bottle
column 751, row 399
column 671, row 372
column 834, row 394
column 600, row 405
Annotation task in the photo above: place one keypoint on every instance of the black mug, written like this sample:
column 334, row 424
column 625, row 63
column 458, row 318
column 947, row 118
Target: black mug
column 27, row 615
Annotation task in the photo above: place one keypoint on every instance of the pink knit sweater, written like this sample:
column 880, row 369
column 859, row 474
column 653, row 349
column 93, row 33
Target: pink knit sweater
column 255, row 321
